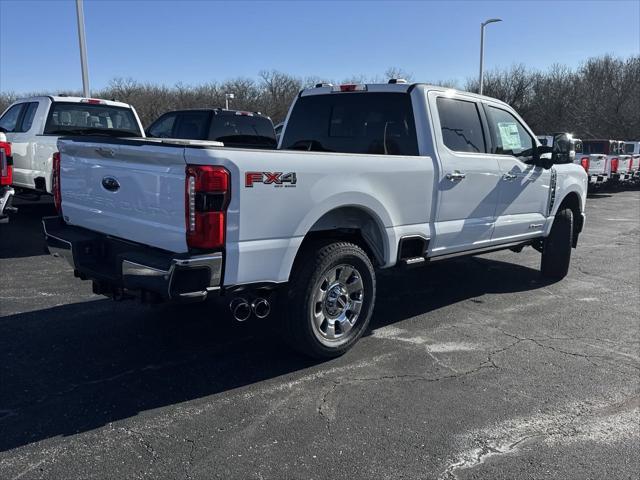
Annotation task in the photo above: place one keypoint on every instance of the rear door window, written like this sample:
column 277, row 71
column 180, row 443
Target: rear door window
column 9, row 120
column 163, row 127
column 29, row 115
column 354, row 122
column 461, row 125
column 192, row 125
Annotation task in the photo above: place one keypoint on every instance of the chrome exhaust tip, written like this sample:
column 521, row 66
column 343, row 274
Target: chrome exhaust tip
column 240, row 309
column 261, row 308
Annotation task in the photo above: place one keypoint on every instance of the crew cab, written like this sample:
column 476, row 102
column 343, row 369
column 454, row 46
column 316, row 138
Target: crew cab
column 234, row 128
column 366, row 177
column 33, row 126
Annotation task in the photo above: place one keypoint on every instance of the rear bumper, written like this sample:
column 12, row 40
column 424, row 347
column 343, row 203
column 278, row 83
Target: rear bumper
column 622, row 177
column 119, row 268
column 597, row 178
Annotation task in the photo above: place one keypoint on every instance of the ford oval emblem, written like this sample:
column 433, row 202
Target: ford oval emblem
column 111, row 184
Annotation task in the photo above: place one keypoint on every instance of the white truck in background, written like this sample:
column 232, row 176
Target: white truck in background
column 366, row 177
column 618, row 164
column 34, row 125
column 633, row 149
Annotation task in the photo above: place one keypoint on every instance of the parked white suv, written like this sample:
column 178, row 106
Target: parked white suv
column 366, row 177
column 33, row 126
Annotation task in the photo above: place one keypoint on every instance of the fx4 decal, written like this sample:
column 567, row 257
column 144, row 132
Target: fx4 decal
column 277, row 179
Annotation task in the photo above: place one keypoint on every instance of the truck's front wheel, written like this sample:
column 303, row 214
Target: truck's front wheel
column 556, row 248
column 330, row 301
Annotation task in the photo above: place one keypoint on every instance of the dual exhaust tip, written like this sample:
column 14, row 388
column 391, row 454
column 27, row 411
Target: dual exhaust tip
column 241, row 308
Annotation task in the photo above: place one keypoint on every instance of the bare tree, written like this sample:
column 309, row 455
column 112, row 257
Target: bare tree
column 601, row 98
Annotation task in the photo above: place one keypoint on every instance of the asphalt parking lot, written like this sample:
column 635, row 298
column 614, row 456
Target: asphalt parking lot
column 474, row 368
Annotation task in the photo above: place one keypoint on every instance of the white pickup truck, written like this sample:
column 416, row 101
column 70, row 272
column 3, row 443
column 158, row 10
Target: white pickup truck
column 366, row 177
column 633, row 149
column 33, row 126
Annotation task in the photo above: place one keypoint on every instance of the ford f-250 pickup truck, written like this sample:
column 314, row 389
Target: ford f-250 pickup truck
column 366, row 177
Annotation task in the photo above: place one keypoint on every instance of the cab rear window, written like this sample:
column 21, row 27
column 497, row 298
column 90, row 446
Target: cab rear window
column 353, row 122
column 77, row 118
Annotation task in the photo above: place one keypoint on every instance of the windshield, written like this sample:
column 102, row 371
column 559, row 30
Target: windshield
column 88, row 118
column 243, row 130
column 629, row 148
column 371, row 123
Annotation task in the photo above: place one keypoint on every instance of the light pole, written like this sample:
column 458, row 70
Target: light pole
column 482, row 25
column 83, row 49
column 227, row 97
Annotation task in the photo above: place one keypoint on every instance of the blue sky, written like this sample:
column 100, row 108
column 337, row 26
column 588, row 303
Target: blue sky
column 199, row 41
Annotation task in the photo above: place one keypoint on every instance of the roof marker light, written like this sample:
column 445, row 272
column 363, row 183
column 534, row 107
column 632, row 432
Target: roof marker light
column 350, row 87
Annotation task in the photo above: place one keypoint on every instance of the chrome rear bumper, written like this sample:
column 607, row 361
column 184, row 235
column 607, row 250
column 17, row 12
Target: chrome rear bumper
column 119, row 268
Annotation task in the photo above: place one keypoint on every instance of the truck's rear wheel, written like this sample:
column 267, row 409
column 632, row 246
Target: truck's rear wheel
column 556, row 249
column 330, row 301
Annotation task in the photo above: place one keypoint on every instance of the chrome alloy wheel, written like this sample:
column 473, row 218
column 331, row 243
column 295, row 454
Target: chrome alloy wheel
column 337, row 302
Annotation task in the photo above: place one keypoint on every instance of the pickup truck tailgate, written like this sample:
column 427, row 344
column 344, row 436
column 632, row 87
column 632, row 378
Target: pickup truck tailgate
column 597, row 163
column 126, row 189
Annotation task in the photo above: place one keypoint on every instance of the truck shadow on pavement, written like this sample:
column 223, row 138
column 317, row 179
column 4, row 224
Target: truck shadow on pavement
column 77, row 367
column 25, row 229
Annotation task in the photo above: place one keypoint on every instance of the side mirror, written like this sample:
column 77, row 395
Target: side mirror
column 563, row 148
column 543, row 156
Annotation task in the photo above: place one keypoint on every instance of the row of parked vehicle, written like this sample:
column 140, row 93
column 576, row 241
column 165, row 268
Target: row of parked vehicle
column 365, row 177
column 605, row 161
column 207, row 203
column 31, row 127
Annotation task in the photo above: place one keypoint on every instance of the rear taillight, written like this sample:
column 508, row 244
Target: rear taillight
column 630, row 163
column 6, row 167
column 208, row 193
column 614, row 165
column 584, row 161
column 55, row 182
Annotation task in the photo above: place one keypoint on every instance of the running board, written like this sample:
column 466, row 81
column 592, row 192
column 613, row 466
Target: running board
column 478, row 251
column 413, row 261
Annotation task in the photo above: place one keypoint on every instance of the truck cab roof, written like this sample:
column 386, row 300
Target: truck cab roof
column 64, row 98
column 323, row 89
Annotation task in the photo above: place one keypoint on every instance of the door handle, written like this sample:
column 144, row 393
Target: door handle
column 509, row 177
column 456, row 176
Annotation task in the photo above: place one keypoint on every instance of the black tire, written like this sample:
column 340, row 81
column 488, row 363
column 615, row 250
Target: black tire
column 556, row 250
column 300, row 304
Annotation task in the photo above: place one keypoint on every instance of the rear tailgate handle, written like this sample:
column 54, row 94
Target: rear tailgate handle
column 106, row 152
